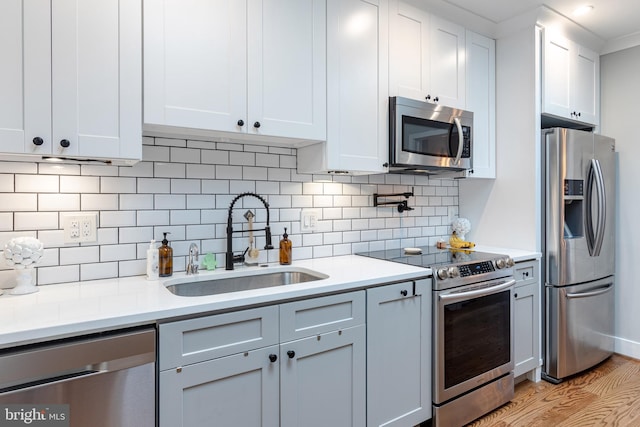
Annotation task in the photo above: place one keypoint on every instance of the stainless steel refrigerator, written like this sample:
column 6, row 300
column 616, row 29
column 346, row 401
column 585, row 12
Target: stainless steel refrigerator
column 578, row 250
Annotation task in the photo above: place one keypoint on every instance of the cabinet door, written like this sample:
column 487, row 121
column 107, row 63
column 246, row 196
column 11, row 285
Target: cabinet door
column 408, row 51
column 556, row 75
column 237, row 390
column 25, row 76
column 195, row 72
column 526, row 328
column 322, row 380
column 585, row 85
column 287, row 68
column 447, row 63
column 481, row 99
column 399, row 354
column 97, row 78
column 357, row 85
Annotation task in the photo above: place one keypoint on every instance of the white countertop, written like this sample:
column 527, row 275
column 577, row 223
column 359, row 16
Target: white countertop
column 70, row 309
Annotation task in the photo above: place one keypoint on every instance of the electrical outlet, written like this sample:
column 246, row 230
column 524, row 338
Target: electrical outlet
column 80, row 227
column 309, row 220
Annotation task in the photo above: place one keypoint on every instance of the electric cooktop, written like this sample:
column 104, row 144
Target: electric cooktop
column 432, row 257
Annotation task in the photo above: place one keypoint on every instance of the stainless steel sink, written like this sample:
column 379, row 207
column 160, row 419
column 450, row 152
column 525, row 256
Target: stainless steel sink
column 240, row 281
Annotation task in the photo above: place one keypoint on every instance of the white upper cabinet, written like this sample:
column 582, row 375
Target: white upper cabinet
column 357, row 91
column 253, row 67
column 481, row 99
column 570, row 79
column 447, row 59
column 427, row 56
column 75, row 78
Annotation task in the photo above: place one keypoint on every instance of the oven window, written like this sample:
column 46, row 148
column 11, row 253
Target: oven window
column 477, row 337
column 431, row 138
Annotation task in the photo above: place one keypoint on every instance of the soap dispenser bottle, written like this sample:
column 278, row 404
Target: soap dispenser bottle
column 152, row 261
column 285, row 249
column 165, row 258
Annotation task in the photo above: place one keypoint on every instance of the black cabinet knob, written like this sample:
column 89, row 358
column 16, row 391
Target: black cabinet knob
column 428, row 97
column 240, row 122
column 515, row 295
column 436, row 99
column 38, row 141
column 579, row 114
column 273, row 358
column 256, row 125
column 403, row 292
column 291, row 354
column 65, row 143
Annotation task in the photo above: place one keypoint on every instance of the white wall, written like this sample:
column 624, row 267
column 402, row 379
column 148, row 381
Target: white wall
column 620, row 110
column 504, row 212
column 185, row 187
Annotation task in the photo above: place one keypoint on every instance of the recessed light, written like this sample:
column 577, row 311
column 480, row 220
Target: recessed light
column 582, row 10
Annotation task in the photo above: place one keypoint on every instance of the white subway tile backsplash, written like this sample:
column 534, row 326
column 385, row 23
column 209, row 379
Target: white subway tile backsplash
column 79, row 255
column 117, row 185
column 102, row 270
column 79, row 184
column 117, row 252
column 61, row 274
column 185, row 188
column 35, row 221
column 118, row 219
column 36, row 184
column 156, row 217
column 170, row 170
column 58, row 202
column 6, row 183
column 154, row 185
column 170, row 201
column 6, row 221
column 18, row 202
column 185, row 155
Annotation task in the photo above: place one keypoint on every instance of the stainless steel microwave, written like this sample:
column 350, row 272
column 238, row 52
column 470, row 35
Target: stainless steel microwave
column 429, row 138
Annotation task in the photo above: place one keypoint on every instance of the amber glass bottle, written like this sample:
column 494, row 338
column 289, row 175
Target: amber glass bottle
column 285, row 249
column 165, row 258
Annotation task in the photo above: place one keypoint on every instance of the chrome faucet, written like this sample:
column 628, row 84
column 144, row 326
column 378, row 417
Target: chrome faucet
column 230, row 258
column 192, row 268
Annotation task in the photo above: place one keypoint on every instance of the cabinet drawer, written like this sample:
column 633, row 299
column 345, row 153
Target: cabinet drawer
column 195, row 340
column 526, row 273
column 319, row 315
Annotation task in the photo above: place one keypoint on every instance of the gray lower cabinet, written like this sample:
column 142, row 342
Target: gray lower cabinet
column 527, row 319
column 399, row 354
column 295, row 364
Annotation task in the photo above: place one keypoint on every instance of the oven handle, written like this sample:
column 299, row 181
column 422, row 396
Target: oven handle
column 476, row 293
column 456, row 120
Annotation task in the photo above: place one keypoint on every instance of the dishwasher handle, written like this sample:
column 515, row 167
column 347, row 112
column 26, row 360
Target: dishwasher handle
column 47, row 363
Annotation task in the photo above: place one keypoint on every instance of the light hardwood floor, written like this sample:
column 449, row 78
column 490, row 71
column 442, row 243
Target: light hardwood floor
column 608, row 395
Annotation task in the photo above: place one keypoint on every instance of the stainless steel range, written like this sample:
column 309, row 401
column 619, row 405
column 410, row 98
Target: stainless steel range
column 472, row 330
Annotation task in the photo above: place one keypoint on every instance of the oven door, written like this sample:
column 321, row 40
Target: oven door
column 473, row 342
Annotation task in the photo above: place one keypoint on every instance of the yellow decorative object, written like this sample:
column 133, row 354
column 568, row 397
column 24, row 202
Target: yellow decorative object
column 458, row 243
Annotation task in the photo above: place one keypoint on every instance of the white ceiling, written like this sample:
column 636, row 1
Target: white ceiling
column 609, row 20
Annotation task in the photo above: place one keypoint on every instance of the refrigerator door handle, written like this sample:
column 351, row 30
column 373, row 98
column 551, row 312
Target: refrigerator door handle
column 597, row 292
column 602, row 208
column 589, row 232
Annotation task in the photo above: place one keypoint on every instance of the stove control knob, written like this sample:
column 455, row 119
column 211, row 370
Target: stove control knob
column 501, row 263
column 442, row 273
column 510, row 262
column 453, row 272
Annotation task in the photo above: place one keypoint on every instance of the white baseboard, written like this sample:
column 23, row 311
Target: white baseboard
column 627, row 347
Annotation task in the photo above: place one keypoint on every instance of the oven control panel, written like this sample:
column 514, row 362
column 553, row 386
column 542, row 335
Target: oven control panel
column 483, row 267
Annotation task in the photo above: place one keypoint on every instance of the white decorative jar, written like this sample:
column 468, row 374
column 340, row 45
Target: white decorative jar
column 22, row 253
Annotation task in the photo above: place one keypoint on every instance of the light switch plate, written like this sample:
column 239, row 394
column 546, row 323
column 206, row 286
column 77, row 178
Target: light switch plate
column 80, row 227
column 309, row 220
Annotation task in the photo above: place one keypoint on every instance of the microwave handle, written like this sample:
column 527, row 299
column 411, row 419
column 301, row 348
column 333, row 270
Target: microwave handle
column 456, row 120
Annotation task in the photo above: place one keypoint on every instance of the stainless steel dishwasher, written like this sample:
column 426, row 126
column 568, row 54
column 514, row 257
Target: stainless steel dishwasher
column 107, row 379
